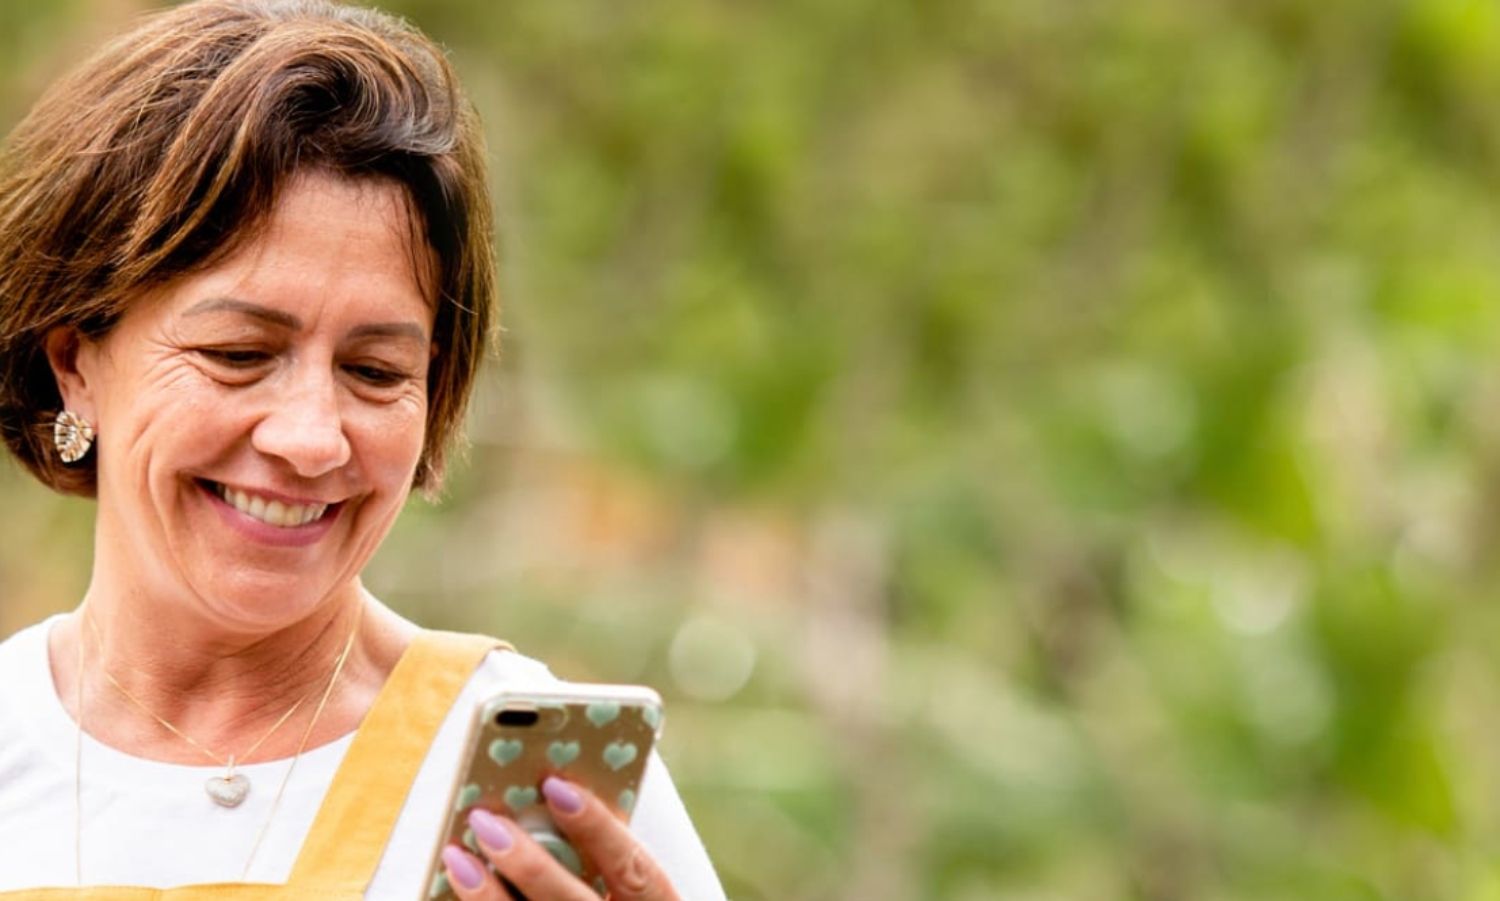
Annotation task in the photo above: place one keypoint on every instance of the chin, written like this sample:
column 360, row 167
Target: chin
column 263, row 601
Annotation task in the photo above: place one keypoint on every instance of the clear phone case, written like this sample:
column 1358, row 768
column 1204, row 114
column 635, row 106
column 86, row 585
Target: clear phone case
column 598, row 736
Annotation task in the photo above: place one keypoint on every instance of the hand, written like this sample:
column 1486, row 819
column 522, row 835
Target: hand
column 628, row 870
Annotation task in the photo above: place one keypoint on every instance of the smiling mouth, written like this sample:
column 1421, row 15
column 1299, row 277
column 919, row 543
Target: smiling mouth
column 271, row 512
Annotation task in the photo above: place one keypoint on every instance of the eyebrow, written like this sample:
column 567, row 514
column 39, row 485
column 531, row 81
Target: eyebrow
column 288, row 321
column 389, row 330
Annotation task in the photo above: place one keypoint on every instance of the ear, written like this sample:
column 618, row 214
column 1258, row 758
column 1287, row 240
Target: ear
column 75, row 365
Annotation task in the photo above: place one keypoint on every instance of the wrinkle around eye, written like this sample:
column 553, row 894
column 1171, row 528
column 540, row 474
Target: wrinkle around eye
column 406, row 391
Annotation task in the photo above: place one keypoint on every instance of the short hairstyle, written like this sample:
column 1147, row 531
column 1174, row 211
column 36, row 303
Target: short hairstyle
column 166, row 151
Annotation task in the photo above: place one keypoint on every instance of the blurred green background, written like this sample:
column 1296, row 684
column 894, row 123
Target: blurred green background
column 1041, row 449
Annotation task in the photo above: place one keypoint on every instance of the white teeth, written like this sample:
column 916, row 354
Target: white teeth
column 273, row 513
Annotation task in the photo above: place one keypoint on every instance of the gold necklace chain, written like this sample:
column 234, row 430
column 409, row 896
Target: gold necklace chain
column 338, row 667
column 228, row 763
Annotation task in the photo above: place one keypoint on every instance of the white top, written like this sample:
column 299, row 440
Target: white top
column 151, row 824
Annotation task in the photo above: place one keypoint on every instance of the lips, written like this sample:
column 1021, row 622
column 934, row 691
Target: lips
column 271, row 511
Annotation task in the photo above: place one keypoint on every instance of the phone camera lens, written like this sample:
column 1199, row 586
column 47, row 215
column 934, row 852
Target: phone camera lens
column 517, row 717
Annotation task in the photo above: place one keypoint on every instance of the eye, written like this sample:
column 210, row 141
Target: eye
column 378, row 376
column 235, row 357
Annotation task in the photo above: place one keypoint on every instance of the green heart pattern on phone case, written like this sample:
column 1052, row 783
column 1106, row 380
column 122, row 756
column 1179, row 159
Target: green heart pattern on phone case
column 598, row 744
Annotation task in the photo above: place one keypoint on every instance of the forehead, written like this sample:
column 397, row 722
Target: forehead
column 330, row 246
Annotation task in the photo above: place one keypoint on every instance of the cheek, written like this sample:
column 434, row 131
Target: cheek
column 152, row 411
column 389, row 439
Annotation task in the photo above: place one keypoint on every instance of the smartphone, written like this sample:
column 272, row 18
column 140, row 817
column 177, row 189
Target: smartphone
column 598, row 736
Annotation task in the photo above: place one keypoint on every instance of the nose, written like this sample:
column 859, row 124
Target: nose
column 304, row 426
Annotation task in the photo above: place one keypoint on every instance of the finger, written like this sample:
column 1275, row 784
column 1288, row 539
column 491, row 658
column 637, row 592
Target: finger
column 629, row 871
column 469, row 879
column 528, row 866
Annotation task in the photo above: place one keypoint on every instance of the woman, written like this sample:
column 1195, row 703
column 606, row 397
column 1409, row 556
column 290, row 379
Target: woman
column 245, row 284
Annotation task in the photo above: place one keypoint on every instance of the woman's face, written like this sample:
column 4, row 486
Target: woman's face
column 260, row 422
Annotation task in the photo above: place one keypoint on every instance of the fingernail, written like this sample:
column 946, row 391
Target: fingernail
column 463, row 868
column 490, row 831
column 561, row 796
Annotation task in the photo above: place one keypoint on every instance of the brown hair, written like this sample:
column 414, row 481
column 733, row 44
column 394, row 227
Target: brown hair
column 167, row 150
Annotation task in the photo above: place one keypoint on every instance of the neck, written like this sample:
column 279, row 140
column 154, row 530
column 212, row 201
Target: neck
column 222, row 688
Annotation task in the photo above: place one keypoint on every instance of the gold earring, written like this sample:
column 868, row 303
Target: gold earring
column 73, row 436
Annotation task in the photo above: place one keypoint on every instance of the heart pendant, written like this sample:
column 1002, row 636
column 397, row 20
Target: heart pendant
column 227, row 791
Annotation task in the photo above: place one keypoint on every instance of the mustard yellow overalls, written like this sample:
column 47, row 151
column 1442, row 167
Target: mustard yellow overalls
column 348, row 837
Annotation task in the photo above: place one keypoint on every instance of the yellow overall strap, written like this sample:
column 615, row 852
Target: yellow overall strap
column 350, row 832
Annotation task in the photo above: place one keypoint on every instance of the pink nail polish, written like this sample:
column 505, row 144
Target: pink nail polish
column 562, row 797
column 462, row 867
column 489, row 830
